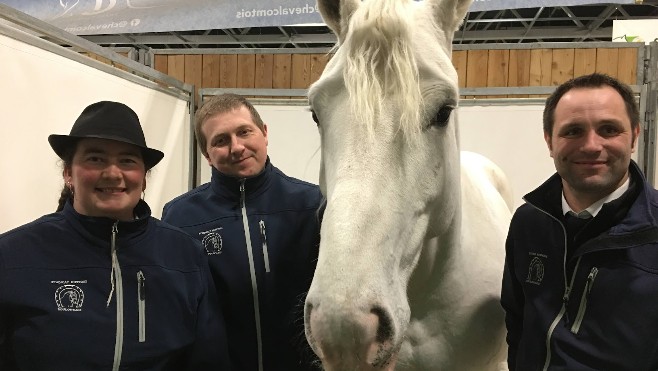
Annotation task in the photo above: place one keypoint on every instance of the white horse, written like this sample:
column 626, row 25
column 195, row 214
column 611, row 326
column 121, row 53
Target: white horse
column 412, row 246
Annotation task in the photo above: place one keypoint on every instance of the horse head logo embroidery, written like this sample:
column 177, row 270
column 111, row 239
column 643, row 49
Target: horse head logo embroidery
column 535, row 271
column 212, row 241
column 69, row 298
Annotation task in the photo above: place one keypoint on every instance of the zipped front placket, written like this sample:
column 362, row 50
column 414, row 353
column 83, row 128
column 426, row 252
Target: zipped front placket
column 252, row 271
column 567, row 290
column 117, row 285
column 558, row 318
column 141, row 305
column 263, row 237
column 583, row 300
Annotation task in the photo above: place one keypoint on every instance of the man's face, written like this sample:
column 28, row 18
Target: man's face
column 591, row 143
column 236, row 145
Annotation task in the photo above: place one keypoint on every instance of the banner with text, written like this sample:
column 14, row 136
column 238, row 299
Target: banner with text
column 92, row 17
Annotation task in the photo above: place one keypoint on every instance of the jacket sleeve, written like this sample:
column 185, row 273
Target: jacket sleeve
column 512, row 300
column 210, row 350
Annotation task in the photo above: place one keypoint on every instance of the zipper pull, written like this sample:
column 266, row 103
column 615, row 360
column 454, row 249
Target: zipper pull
column 242, row 196
column 266, row 255
column 115, row 231
column 565, row 302
column 590, row 279
column 140, row 285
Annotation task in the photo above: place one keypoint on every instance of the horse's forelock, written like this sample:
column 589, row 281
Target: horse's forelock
column 381, row 64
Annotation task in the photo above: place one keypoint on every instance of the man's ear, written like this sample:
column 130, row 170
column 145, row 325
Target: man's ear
column 265, row 133
column 547, row 139
column 636, row 136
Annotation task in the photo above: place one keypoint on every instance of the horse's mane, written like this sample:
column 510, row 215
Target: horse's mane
column 381, row 63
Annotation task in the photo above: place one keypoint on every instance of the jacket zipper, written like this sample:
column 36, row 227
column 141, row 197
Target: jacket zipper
column 141, row 305
column 567, row 290
column 583, row 300
column 117, row 284
column 558, row 318
column 252, row 271
column 263, row 237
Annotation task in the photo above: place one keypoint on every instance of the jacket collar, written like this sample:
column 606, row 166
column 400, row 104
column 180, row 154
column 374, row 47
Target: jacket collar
column 100, row 228
column 229, row 187
column 547, row 197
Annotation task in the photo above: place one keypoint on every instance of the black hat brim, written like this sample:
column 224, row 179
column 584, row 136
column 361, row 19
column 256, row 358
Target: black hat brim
column 60, row 143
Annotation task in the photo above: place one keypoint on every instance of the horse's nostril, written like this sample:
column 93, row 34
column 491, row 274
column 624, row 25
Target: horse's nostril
column 385, row 327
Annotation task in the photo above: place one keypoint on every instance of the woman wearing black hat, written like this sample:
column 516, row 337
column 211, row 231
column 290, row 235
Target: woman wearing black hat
column 100, row 284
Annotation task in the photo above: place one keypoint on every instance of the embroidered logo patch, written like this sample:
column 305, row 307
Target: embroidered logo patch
column 212, row 241
column 536, row 269
column 69, row 298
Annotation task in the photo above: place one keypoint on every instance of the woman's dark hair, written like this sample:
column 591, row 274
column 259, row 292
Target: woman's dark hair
column 67, row 193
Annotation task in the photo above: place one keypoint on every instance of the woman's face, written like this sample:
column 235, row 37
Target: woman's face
column 107, row 178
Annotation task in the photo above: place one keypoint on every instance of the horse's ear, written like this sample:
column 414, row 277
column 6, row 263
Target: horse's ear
column 449, row 13
column 337, row 14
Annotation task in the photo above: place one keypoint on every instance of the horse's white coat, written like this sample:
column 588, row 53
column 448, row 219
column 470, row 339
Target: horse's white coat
column 412, row 246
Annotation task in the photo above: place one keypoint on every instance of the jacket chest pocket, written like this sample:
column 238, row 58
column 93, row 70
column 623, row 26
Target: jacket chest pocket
column 582, row 307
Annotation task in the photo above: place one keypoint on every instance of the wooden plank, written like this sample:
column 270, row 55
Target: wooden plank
column 476, row 69
column 607, row 61
column 318, row 63
column 193, row 71
column 497, row 70
column 246, row 71
column 519, row 70
column 541, row 61
column 562, row 66
column 627, row 68
column 584, row 62
column 176, row 64
column 459, row 59
column 160, row 63
column 264, row 71
column 210, row 71
column 301, row 71
column 228, row 71
column 281, row 72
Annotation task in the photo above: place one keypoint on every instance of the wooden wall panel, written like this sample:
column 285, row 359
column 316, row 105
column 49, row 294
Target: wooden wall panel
column 541, row 67
column 176, row 66
column 459, row 60
column 318, row 62
column 281, row 74
column 246, row 71
column 193, row 71
column 519, row 69
column 562, row 66
column 160, row 63
column 607, row 61
column 264, row 71
column 301, row 71
column 498, row 69
column 584, row 62
column 627, row 67
column 210, row 71
column 476, row 69
column 228, row 71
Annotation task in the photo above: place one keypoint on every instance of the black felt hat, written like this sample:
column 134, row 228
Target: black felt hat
column 107, row 120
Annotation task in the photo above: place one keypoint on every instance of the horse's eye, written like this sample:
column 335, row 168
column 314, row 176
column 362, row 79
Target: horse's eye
column 442, row 117
column 315, row 117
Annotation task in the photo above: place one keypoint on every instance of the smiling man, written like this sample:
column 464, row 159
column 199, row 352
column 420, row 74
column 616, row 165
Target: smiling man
column 580, row 286
column 261, row 231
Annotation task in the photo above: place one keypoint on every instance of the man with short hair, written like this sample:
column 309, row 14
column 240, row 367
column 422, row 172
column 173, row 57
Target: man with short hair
column 261, row 231
column 580, row 286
